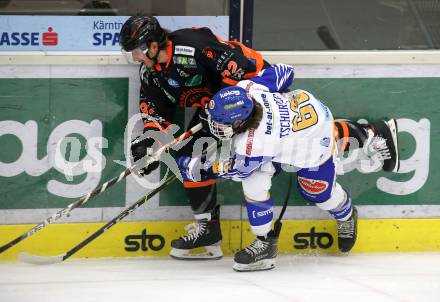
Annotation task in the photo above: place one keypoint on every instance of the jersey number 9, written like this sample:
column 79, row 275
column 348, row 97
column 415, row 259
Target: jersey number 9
column 306, row 115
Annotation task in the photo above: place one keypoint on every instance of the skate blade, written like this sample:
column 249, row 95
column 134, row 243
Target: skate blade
column 392, row 124
column 211, row 252
column 262, row 265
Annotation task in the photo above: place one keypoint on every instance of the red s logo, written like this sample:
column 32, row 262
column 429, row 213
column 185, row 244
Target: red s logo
column 50, row 38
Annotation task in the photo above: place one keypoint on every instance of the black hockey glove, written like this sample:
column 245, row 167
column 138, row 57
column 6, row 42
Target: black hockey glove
column 140, row 148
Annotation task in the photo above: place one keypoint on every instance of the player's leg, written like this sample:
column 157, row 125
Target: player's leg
column 378, row 138
column 319, row 186
column 262, row 252
column 205, row 232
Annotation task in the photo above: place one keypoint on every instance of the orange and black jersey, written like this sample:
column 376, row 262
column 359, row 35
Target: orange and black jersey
column 199, row 64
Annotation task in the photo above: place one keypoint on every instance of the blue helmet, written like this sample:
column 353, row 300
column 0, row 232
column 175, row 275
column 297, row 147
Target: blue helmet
column 227, row 110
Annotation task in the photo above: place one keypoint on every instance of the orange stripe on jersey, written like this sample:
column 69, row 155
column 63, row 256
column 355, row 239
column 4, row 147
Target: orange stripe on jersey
column 169, row 52
column 229, row 81
column 222, row 41
column 198, row 184
column 153, row 125
column 345, row 133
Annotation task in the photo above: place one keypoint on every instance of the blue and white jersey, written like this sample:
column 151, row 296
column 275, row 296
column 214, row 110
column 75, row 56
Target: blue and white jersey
column 276, row 78
column 296, row 129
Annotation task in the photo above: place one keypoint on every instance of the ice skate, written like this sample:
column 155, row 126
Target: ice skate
column 384, row 144
column 202, row 241
column 259, row 255
column 347, row 232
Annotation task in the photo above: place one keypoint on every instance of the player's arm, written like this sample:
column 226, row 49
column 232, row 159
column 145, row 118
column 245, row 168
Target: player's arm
column 239, row 166
column 156, row 113
column 276, row 78
column 236, row 168
column 233, row 61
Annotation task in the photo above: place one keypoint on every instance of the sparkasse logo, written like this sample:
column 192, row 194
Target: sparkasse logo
column 48, row 38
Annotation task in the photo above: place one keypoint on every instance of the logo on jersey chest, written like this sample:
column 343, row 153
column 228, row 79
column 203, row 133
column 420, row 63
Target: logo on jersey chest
column 184, row 50
column 186, row 62
column 195, row 97
column 269, row 115
column 312, row 186
column 209, row 53
column 182, row 73
column 325, row 141
column 173, row 83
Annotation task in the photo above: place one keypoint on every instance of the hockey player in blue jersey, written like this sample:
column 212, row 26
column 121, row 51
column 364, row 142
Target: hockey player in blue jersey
column 185, row 68
column 269, row 130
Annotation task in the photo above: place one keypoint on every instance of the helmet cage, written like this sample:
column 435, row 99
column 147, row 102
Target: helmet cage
column 129, row 56
column 219, row 130
column 228, row 110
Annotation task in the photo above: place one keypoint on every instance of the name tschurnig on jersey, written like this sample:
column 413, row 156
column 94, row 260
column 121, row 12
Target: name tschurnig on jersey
column 284, row 115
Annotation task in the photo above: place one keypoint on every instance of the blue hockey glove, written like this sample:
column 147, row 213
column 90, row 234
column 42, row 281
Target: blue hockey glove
column 193, row 170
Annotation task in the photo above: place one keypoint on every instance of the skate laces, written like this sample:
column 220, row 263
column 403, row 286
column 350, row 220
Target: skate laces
column 257, row 247
column 379, row 148
column 195, row 229
column 346, row 228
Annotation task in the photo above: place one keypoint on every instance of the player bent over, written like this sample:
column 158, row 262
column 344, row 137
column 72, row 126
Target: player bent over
column 270, row 130
column 184, row 68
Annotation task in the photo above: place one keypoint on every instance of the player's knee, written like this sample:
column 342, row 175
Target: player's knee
column 256, row 195
column 256, row 187
column 327, row 199
column 260, row 215
column 336, row 197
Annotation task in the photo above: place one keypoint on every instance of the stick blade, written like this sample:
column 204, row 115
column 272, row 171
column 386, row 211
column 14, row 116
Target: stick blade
column 40, row 260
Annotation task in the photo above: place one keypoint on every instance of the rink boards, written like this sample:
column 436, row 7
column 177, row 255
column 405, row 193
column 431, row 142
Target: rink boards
column 399, row 211
column 134, row 239
column 35, row 128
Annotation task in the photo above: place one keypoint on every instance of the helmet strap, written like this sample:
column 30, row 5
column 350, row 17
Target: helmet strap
column 154, row 59
column 160, row 46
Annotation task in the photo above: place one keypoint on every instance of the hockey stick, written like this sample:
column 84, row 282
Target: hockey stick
column 29, row 258
column 278, row 224
column 98, row 190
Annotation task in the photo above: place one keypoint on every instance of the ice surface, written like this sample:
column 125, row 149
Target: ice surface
column 354, row 278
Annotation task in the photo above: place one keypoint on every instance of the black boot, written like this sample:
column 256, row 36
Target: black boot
column 203, row 233
column 347, row 232
column 384, row 143
column 259, row 255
